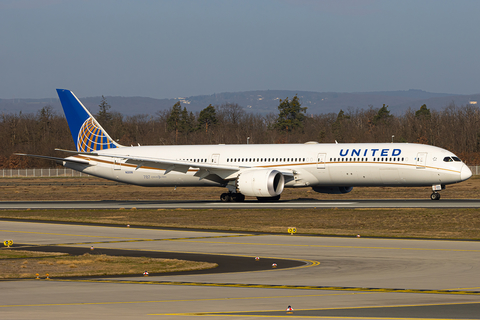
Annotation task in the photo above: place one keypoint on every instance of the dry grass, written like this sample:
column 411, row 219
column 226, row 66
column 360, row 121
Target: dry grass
column 415, row 223
column 91, row 265
column 19, row 254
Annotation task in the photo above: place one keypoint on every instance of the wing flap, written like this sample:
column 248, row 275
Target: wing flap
column 205, row 169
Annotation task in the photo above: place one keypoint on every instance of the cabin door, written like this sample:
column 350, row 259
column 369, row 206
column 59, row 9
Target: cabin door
column 116, row 164
column 421, row 160
column 321, row 160
column 215, row 158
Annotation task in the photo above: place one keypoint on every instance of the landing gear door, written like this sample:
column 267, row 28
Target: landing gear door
column 321, row 160
column 421, row 160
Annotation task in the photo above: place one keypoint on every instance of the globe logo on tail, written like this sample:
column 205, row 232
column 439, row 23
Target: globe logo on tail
column 92, row 138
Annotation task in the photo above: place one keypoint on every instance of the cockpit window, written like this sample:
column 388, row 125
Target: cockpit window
column 451, row 159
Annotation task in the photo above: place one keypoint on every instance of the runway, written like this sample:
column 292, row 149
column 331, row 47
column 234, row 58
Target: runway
column 351, row 278
column 305, row 203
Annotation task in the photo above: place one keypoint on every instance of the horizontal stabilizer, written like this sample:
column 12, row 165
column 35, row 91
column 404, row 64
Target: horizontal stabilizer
column 58, row 160
column 78, row 152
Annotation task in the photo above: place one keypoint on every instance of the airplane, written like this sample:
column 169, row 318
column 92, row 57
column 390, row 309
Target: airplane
column 256, row 170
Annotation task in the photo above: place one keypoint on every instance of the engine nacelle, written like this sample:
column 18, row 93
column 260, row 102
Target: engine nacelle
column 260, row 183
column 332, row 190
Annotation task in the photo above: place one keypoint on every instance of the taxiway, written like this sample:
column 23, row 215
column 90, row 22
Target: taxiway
column 335, row 277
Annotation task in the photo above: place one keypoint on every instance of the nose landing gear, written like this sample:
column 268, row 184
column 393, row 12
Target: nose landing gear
column 436, row 187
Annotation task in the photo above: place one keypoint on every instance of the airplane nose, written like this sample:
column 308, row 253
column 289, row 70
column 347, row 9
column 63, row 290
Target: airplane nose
column 465, row 173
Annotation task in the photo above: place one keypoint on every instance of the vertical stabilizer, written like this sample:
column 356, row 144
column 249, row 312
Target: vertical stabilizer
column 88, row 135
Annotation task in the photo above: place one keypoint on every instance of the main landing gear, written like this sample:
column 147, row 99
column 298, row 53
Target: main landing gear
column 232, row 197
column 268, row 199
column 238, row 197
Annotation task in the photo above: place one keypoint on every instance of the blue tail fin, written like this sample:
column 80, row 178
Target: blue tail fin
column 88, row 135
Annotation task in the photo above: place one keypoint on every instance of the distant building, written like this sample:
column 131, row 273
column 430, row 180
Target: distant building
column 472, row 102
column 184, row 100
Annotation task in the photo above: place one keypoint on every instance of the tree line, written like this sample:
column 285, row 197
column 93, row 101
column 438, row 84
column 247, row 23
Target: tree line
column 455, row 128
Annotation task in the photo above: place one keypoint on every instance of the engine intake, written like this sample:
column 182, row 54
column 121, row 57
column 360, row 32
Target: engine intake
column 332, row 190
column 260, row 183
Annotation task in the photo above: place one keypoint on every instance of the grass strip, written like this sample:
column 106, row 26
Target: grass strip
column 403, row 222
column 87, row 265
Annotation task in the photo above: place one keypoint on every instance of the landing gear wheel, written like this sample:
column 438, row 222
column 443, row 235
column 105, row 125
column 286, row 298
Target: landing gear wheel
column 232, row 197
column 225, row 197
column 435, row 196
column 268, row 199
column 238, row 197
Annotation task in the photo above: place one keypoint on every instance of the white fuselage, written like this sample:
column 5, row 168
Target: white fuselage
column 310, row 164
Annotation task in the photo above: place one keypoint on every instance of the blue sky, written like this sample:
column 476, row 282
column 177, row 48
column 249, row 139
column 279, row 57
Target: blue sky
column 179, row 48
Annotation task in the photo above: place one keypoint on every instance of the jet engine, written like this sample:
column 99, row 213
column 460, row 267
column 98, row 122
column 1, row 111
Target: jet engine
column 260, row 183
column 332, row 190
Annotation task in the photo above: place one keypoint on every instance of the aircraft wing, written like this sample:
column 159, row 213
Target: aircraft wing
column 205, row 170
column 225, row 172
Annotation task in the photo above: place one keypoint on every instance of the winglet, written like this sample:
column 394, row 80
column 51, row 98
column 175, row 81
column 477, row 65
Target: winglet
column 88, row 135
